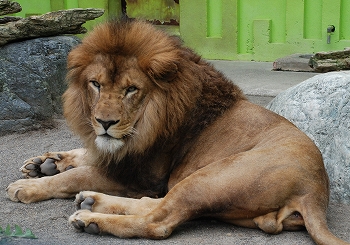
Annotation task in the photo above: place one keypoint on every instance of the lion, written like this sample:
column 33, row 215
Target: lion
column 168, row 138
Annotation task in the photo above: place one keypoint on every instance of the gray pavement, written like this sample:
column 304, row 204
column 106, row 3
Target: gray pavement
column 257, row 79
column 48, row 219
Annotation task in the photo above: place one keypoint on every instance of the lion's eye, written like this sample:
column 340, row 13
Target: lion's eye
column 130, row 89
column 95, row 84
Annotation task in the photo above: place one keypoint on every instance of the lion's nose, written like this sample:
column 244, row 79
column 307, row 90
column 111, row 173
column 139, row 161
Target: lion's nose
column 106, row 124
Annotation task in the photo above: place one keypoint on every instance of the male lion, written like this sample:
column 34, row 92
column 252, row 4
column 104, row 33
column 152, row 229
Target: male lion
column 170, row 139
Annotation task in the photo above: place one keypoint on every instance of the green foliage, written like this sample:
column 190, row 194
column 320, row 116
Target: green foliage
column 18, row 232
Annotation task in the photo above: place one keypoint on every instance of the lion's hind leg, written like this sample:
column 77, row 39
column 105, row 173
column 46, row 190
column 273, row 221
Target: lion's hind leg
column 52, row 163
column 284, row 219
column 308, row 212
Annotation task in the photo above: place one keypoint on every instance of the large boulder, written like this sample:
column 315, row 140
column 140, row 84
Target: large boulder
column 32, row 81
column 320, row 106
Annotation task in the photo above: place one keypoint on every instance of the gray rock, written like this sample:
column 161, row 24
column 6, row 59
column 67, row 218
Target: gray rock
column 32, row 81
column 320, row 106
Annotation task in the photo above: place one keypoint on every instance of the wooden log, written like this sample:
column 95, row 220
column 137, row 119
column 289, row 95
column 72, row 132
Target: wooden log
column 6, row 19
column 50, row 24
column 7, row 7
column 331, row 61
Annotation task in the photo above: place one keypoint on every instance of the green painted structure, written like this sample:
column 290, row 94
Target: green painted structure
column 264, row 30
column 261, row 30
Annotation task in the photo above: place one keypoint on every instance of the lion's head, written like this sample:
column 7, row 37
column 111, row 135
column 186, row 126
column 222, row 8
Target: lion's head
column 128, row 87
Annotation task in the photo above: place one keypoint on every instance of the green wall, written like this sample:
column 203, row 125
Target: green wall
column 261, row 30
column 161, row 10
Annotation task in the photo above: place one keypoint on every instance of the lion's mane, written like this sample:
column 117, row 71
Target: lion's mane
column 190, row 95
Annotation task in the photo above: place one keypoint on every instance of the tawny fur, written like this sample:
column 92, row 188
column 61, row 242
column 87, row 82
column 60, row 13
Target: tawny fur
column 158, row 121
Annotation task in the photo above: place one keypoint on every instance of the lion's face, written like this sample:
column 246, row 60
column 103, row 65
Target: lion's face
column 118, row 92
column 126, row 90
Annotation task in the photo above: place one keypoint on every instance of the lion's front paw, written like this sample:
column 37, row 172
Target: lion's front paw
column 81, row 221
column 26, row 191
column 47, row 165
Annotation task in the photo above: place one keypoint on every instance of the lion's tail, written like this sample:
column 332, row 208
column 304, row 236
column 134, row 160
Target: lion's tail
column 316, row 224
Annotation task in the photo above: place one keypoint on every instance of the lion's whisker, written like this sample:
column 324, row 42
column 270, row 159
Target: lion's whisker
column 134, row 131
column 131, row 133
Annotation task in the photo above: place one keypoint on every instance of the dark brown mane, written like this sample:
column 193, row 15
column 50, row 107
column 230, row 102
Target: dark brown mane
column 191, row 95
column 217, row 95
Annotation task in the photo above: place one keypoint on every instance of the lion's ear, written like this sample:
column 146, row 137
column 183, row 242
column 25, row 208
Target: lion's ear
column 162, row 68
column 166, row 73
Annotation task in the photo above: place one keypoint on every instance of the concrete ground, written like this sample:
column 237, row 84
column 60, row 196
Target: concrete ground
column 258, row 81
column 48, row 219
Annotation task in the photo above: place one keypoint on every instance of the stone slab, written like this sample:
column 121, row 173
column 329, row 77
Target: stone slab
column 294, row 62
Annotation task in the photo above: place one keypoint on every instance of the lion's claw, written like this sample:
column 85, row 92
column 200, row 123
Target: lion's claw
column 26, row 191
column 15, row 196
